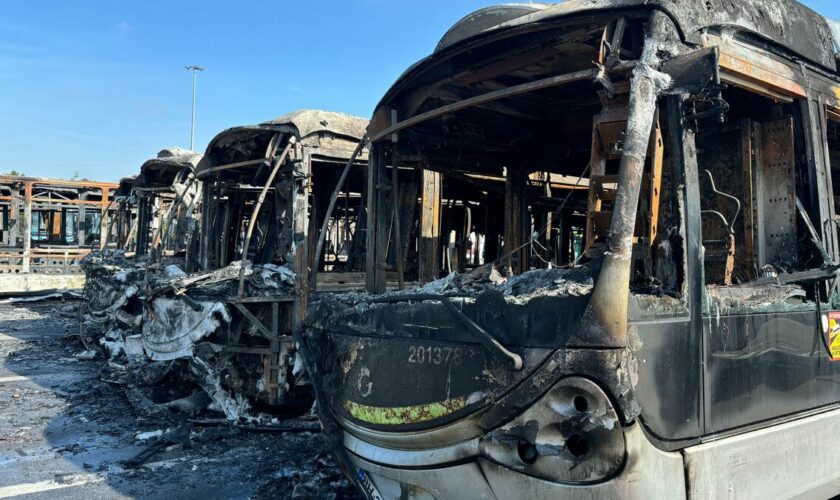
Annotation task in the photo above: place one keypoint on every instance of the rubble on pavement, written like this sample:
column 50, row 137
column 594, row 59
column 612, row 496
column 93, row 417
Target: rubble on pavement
column 72, row 419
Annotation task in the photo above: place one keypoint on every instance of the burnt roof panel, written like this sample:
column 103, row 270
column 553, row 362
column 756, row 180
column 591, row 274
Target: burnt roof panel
column 162, row 170
column 305, row 122
column 312, row 121
column 786, row 22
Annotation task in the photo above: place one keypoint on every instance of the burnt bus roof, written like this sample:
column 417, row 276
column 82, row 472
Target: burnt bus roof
column 162, row 170
column 306, row 125
column 786, row 23
column 312, row 121
column 126, row 185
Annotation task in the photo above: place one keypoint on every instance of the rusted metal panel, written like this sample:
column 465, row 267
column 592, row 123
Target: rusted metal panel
column 761, row 70
column 61, row 183
column 14, row 216
column 299, row 216
column 775, row 187
column 650, row 215
column 748, row 144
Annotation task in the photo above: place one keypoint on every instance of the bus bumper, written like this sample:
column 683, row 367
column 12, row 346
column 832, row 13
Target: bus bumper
column 394, row 474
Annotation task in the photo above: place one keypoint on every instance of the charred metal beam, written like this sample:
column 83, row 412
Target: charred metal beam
column 27, row 222
column 254, row 321
column 607, row 310
column 162, row 231
column 253, row 222
column 395, row 195
column 544, row 83
column 250, row 163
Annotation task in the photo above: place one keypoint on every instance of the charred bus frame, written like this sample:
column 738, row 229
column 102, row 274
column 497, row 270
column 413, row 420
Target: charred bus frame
column 155, row 212
column 167, row 198
column 48, row 225
column 686, row 345
column 265, row 191
column 126, row 216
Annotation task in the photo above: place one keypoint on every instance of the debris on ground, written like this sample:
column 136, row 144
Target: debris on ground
column 68, row 421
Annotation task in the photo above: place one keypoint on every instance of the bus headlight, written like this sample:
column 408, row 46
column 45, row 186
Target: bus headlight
column 572, row 434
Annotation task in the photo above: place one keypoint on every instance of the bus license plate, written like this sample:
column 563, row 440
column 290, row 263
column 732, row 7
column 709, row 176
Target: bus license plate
column 368, row 486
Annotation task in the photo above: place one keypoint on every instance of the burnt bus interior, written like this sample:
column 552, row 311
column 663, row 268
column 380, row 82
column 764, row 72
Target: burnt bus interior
column 230, row 193
column 299, row 194
column 47, row 226
column 833, row 155
column 528, row 181
column 753, row 172
column 166, row 196
column 524, row 182
column 297, row 176
column 342, row 260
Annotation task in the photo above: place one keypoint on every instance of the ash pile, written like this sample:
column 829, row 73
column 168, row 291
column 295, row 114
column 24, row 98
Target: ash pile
column 167, row 337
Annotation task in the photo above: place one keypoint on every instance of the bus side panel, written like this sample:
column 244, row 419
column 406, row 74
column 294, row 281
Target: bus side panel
column 764, row 366
column 797, row 459
column 668, row 389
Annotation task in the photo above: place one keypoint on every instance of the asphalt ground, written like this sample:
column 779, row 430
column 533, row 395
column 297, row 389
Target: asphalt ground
column 64, row 431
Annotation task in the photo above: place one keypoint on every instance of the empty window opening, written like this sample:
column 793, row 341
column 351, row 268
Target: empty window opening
column 523, row 183
column 752, row 171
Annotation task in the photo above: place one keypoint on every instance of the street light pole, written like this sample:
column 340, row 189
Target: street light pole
column 195, row 70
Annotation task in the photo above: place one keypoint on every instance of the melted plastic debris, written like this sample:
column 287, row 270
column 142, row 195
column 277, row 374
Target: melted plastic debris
column 538, row 282
column 234, row 409
column 145, row 436
column 174, row 272
column 156, row 322
column 276, row 276
column 259, row 279
column 172, row 327
column 724, row 300
column 113, row 342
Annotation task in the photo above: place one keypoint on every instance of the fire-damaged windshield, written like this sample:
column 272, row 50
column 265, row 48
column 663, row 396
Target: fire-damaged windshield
column 513, row 158
column 505, row 183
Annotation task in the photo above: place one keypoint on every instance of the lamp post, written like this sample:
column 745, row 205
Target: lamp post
column 195, row 70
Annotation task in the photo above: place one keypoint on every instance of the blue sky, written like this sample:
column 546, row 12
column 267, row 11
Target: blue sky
column 97, row 86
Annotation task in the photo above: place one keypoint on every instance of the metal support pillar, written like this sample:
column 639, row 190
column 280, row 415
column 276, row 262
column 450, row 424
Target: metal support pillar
column 27, row 223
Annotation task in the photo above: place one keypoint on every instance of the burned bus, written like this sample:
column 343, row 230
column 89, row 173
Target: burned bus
column 615, row 229
column 266, row 190
column 167, row 198
column 46, row 227
column 148, row 234
column 159, row 206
